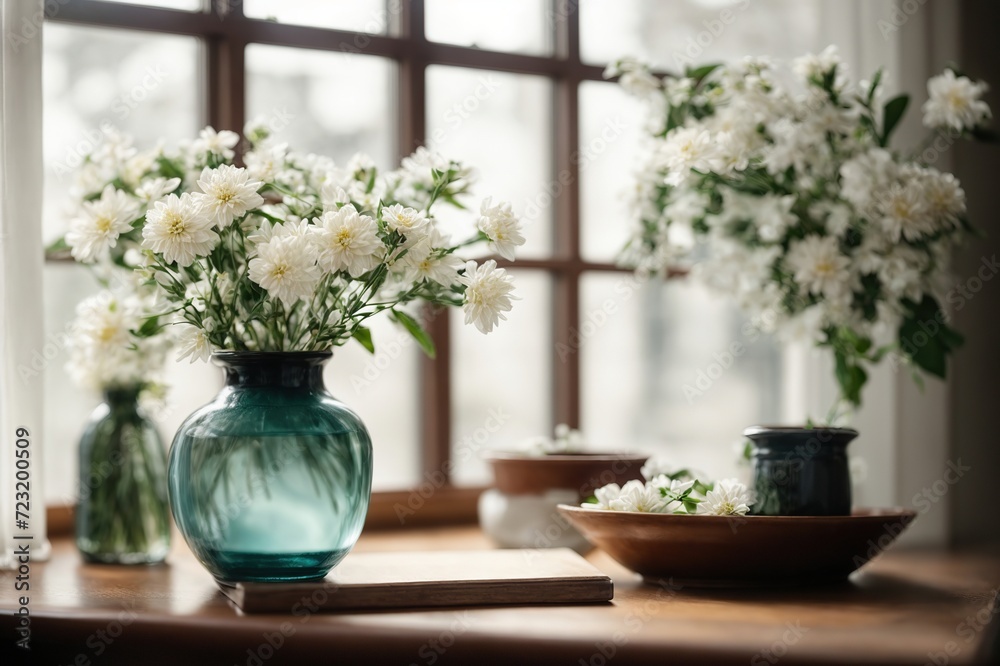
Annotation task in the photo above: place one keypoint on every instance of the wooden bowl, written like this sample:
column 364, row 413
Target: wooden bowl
column 520, row 474
column 715, row 551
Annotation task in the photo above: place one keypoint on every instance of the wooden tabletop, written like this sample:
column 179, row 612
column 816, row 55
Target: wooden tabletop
column 904, row 608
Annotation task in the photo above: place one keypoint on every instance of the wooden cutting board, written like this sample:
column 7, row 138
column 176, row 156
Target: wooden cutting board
column 393, row 580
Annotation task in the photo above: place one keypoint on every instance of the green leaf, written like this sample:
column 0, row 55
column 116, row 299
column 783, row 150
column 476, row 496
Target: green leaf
column 893, row 113
column 417, row 331
column 850, row 376
column 698, row 73
column 874, row 85
column 925, row 337
column 149, row 328
column 364, row 336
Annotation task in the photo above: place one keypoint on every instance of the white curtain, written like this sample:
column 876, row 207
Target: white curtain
column 21, row 331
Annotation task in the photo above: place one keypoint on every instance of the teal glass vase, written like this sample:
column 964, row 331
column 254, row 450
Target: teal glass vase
column 121, row 513
column 271, row 480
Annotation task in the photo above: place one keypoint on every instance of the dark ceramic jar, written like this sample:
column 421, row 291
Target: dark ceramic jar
column 801, row 471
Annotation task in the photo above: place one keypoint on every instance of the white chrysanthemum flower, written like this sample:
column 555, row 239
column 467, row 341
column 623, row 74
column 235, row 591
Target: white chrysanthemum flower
column 501, row 226
column 418, row 168
column 100, row 223
column 905, row 212
column 818, row 265
column 179, row 229
column 901, row 272
column 347, row 241
column 407, row 221
column 640, row 497
column 488, row 294
column 686, row 149
column 333, row 193
column 677, row 91
column 286, row 267
column 944, row 197
column 865, row 175
column 773, row 216
column 605, row 496
column 816, row 66
column 729, row 497
column 633, row 75
column 955, row 102
column 436, row 267
column 220, row 143
column 193, row 344
column 228, row 192
column 103, row 352
column 155, row 189
column 266, row 161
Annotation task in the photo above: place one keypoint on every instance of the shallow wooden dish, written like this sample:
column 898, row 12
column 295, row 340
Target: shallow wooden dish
column 520, row 474
column 716, row 551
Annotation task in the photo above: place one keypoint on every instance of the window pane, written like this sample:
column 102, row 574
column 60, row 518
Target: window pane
column 611, row 128
column 502, row 381
column 670, row 369
column 371, row 16
column 96, row 79
column 672, row 34
column 520, row 26
column 382, row 389
column 501, row 125
column 187, row 5
column 334, row 104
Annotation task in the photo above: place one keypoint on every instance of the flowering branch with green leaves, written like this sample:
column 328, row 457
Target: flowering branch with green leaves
column 806, row 214
column 676, row 492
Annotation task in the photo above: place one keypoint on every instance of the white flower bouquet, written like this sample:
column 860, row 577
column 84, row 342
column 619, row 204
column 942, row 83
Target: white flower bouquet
column 806, row 215
column 289, row 252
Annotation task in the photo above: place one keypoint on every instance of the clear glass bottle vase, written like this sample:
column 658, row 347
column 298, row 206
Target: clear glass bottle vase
column 122, row 514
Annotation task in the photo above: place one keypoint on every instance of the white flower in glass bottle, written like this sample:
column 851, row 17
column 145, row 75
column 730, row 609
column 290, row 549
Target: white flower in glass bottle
column 100, row 223
column 487, row 294
column 179, row 229
column 347, row 241
column 228, row 192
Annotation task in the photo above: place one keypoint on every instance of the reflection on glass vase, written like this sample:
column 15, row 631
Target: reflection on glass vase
column 122, row 515
column 271, row 480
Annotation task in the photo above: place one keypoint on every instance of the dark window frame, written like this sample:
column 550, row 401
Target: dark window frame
column 225, row 32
